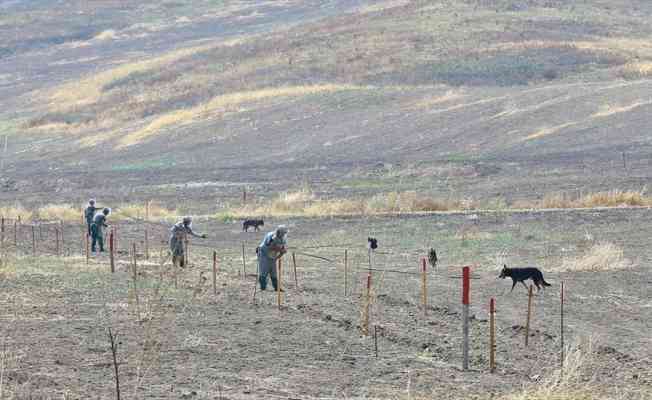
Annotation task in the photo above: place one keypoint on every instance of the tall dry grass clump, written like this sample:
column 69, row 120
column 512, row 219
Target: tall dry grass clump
column 611, row 198
column 59, row 212
column 574, row 382
column 603, row 256
column 13, row 212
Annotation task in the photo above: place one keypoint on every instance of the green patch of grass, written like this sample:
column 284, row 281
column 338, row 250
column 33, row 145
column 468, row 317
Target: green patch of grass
column 160, row 163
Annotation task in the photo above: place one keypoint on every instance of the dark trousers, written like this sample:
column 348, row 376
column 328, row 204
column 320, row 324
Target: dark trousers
column 266, row 266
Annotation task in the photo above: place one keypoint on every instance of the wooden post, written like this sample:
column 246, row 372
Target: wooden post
column 146, row 244
column 215, row 272
column 466, row 286
column 33, row 240
column 186, row 255
column 2, row 232
column 16, row 236
column 367, row 303
column 244, row 196
column 88, row 244
column 346, row 270
column 561, row 326
column 112, row 250
column 147, row 204
column 115, row 239
column 376, row 340
column 294, row 264
column 624, row 160
column 63, row 244
column 57, row 247
column 278, row 282
column 244, row 261
column 135, row 277
column 529, row 313
column 492, row 335
column 424, row 287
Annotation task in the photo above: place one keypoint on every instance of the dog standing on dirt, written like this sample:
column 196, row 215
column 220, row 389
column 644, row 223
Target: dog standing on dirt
column 522, row 274
column 255, row 223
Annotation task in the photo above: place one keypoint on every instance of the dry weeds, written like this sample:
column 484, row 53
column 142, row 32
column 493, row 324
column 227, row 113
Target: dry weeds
column 222, row 104
column 602, row 256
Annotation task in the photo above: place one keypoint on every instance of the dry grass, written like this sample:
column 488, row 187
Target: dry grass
column 637, row 70
column 611, row 198
column 139, row 212
column 222, row 104
column 89, row 90
column 574, row 382
column 59, row 212
column 609, row 110
column 305, row 203
column 14, row 212
column 602, row 256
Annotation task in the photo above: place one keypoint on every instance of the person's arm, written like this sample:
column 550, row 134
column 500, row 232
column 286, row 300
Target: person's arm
column 192, row 233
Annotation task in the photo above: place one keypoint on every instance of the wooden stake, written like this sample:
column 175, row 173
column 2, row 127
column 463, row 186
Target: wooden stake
column 63, row 245
column 33, row 240
column 294, row 264
column 186, row 254
column 529, row 313
column 424, row 287
column 135, row 277
column 561, row 326
column 112, row 250
column 278, row 282
column 492, row 335
column 88, row 245
column 58, row 247
column 146, row 244
column 244, row 261
column 346, row 271
column 466, row 288
column 147, row 205
column 215, row 272
column 2, row 231
column 376, row 340
column 16, row 236
column 367, row 303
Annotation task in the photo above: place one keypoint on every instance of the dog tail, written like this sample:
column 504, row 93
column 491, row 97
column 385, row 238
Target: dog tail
column 544, row 283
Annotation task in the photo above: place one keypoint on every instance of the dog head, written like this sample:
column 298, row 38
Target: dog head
column 504, row 273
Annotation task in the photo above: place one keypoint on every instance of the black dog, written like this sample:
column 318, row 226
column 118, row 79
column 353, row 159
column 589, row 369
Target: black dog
column 522, row 274
column 372, row 243
column 255, row 223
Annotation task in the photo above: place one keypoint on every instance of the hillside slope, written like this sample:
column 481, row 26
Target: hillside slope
column 491, row 98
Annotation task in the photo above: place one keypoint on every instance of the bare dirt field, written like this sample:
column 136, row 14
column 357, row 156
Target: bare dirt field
column 193, row 344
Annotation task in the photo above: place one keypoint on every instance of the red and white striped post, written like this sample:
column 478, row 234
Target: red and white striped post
column 466, row 286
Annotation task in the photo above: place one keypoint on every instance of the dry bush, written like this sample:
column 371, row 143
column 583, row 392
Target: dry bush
column 13, row 212
column 603, row 256
column 59, row 212
column 574, row 382
column 611, row 198
column 614, row 198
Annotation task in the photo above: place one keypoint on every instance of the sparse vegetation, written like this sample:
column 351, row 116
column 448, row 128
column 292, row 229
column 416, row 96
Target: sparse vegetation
column 602, row 256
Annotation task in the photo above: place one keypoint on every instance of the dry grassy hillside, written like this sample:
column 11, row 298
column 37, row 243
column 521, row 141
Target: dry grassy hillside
column 508, row 90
